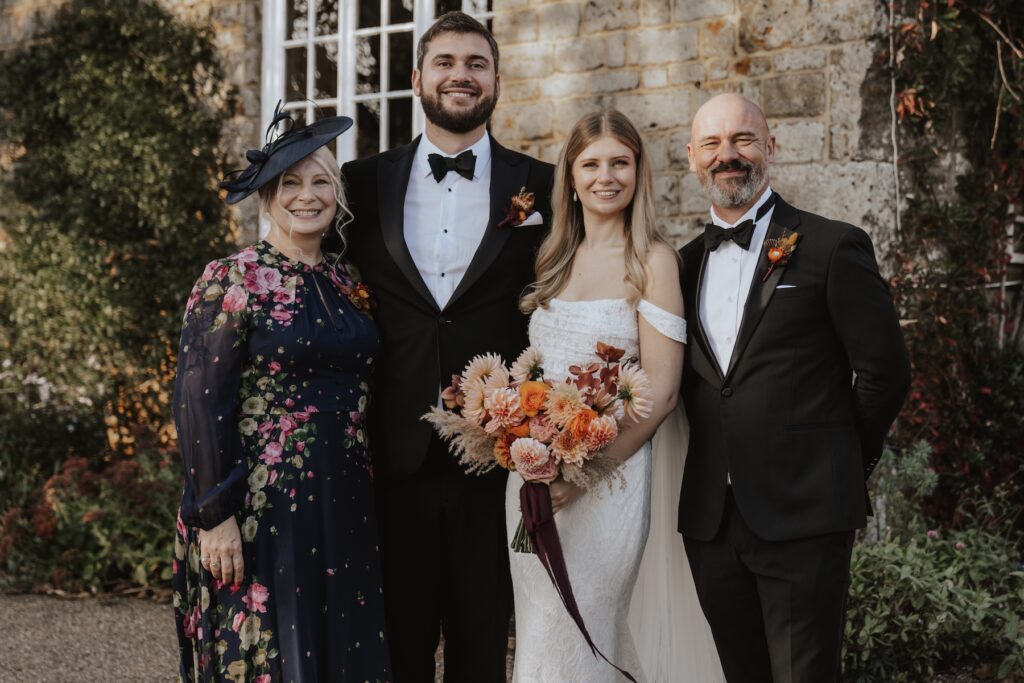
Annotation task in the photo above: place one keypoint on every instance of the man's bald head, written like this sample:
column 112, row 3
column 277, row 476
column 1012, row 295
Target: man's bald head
column 730, row 110
column 730, row 149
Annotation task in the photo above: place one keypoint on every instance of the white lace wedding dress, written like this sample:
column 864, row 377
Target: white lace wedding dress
column 663, row 637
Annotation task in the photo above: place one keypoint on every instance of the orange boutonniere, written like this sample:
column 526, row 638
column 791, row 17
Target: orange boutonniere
column 518, row 209
column 359, row 294
column 779, row 250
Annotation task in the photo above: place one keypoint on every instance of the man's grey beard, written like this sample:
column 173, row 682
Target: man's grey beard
column 734, row 194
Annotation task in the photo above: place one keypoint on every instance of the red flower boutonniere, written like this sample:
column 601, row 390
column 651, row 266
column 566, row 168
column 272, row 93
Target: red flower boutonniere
column 518, row 209
column 779, row 250
column 359, row 294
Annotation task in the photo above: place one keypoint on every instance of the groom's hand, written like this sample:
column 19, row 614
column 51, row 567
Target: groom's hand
column 563, row 493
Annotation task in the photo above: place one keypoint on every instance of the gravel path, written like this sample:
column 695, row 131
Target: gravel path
column 106, row 639
column 53, row 640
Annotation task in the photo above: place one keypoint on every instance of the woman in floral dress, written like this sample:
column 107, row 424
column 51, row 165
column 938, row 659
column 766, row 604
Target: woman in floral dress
column 276, row 574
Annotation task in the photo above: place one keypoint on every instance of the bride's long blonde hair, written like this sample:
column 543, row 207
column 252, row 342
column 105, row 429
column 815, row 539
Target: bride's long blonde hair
column 556, row 254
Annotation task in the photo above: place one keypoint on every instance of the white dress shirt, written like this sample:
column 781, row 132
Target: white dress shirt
column 728, row 276
column 445, row 221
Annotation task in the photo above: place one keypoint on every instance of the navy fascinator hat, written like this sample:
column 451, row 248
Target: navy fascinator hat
column 278, row 155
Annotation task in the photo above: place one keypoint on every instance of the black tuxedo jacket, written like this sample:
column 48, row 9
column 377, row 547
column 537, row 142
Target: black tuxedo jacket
column 423, row 345
column 786, row 419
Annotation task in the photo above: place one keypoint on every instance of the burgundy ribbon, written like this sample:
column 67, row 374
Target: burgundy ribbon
column 539, row 519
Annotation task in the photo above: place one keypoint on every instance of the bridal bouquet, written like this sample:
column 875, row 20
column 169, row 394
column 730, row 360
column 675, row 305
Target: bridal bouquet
column 521, row 420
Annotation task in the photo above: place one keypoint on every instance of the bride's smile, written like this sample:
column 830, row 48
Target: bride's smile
column 604, row 178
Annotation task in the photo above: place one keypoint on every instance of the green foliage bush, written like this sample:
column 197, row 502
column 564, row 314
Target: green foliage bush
column 111, row 119
column 925, row 600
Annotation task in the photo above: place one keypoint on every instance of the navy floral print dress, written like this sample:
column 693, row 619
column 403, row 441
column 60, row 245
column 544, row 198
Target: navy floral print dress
column 269, row 405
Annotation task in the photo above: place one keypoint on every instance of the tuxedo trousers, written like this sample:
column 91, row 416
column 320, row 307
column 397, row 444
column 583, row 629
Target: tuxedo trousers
column 776, row 608
column 445, row 570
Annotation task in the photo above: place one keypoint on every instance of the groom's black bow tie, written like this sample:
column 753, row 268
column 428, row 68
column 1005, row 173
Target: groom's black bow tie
column 464, row 164
column 741, row 234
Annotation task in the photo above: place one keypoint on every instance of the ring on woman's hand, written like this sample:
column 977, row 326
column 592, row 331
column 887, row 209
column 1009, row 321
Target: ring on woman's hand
column 204, row 559
column 214, row 563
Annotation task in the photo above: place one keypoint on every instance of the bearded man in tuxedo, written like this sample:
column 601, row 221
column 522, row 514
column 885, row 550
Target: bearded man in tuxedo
column 447, row 275
column 797, row 369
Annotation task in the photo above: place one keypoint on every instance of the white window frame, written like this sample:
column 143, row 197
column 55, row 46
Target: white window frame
column 272, row 86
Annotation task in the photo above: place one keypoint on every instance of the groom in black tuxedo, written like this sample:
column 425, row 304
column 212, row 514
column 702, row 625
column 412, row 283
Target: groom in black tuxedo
column 447, row 278
column 796, row 370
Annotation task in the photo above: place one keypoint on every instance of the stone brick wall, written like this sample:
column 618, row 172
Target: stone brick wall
column 808, row 63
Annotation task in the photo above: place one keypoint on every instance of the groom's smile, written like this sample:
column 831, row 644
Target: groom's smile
column 458, row 82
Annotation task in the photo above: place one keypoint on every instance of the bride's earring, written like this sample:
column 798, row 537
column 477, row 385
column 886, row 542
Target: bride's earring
column 574, row 197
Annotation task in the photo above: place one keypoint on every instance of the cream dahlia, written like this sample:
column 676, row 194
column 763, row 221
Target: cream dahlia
column 635, row 392
column 564, row 401
column 533, row 460
column 528, row 365
column 503, row 407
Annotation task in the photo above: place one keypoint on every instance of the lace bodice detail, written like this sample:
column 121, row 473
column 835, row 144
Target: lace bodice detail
column 566, row 332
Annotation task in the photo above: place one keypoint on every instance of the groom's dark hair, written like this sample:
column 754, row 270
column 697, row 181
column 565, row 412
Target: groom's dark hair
column 455, row 22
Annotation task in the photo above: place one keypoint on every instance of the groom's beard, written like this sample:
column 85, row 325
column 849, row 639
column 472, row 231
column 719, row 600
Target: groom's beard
column 731, row 193
column 457, row 122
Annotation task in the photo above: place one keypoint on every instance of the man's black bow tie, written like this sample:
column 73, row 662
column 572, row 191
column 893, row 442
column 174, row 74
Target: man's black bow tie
column 741, row 234
column 464, row 164
column 714, row 235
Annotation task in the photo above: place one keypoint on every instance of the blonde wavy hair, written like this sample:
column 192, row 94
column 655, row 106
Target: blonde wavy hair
column 324, row 158
column 558, row 250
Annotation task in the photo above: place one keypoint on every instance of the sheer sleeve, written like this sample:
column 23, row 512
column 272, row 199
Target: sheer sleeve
column 206, row 397
column 670, row 325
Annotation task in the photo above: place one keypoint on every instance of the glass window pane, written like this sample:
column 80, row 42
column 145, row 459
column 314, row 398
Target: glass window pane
column 323, row 113
column 325, row 77
column 326, row 17
column 295, row 74
column 400, row 61
column 298, row 120
column 297, row 21
column 401, row 11
column 367, row 64
column 442, row 6
column 478, row 6
column 369, row 13
column 368, row 124
column 399, row 121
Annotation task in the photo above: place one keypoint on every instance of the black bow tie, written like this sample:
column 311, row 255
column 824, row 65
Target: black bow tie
column 464, row 164
column 741, row 234
column 714, row 235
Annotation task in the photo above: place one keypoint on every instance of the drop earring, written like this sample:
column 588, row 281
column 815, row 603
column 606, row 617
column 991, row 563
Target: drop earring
column 574, row 197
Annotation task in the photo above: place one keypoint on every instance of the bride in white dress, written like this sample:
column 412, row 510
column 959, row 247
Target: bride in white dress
column 606, row 274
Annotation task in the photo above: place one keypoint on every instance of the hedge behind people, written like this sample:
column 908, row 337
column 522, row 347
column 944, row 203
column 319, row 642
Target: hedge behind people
column 110, row 118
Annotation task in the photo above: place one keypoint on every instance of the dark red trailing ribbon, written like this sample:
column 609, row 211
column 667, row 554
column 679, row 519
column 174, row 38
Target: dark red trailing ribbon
column 539, row 519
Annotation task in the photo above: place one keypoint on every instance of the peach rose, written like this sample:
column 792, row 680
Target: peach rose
column 532, row 396
column 579, row 424
column 520, row 430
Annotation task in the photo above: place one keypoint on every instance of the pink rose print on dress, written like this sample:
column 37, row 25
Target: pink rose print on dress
column 235, row 299
column 256, row 598
column 272, row 453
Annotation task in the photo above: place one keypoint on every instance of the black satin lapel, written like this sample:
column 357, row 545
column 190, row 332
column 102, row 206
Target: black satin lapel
column 703, row 343
column 761, row 291
column 508, row 176
column 392, row 184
